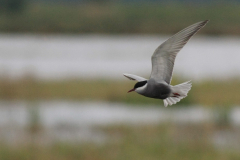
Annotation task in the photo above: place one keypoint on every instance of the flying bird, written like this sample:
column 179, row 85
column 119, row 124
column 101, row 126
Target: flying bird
column 158, row 85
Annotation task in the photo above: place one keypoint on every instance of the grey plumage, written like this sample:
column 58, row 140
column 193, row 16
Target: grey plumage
column 164, row 56
column 159, row 90
column 158, row 86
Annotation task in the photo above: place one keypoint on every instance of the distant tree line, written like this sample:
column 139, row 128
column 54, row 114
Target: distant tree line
column 126, row 1
column 12, row 5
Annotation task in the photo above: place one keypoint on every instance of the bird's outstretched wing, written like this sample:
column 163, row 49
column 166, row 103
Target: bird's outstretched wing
column 164, row 56
column 134, row 77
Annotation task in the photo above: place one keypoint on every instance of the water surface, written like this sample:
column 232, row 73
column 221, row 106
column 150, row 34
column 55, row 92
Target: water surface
column 48, row 122
column 87, row 56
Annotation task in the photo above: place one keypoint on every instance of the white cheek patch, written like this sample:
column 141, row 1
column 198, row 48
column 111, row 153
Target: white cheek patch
column 141, row 89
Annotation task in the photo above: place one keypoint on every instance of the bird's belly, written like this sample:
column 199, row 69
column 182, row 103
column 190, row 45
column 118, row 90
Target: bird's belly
column 160, row 91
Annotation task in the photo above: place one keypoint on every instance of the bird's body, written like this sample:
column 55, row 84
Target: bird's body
column 154, row 89
column 158, row 85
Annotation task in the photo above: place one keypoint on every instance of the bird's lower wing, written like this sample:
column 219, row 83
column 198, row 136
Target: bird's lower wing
column 134, row 77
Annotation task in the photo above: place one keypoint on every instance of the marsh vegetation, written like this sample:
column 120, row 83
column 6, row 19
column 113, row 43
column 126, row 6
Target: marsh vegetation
column 118, row 18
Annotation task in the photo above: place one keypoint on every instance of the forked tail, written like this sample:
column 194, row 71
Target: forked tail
column 179, row 92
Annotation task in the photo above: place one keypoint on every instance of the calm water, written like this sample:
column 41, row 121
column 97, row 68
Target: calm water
column 86, row 56
column 54, row 113
column 73, row 122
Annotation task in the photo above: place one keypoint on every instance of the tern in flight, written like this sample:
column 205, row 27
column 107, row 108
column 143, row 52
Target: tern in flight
column 158, row 85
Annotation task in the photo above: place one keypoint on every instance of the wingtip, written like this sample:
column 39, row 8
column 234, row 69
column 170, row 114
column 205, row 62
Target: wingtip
column 128, row 76
column 189, row 82
column 125, row 75
column 205, row 22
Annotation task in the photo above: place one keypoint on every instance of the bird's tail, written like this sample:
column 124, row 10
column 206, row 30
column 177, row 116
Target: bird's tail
column 179, row 92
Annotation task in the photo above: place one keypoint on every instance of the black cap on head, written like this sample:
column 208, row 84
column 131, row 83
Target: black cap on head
column 140, row 84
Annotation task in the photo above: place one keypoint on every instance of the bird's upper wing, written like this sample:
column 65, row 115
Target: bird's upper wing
column 134, row 77
column 164, row 56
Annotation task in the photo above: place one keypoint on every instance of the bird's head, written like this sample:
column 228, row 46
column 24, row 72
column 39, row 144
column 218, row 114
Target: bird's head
column 139, row 86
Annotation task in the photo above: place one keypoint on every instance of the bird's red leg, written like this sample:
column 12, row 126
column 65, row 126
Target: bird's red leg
column 176, row 94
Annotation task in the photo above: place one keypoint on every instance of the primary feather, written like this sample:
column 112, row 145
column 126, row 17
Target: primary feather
column 134, row 77
column 164, row 56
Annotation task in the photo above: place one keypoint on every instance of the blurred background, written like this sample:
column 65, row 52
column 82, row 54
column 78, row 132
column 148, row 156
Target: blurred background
column 63, row 95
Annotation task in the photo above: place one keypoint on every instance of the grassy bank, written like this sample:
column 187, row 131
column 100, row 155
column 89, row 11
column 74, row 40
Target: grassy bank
column 152, row 142
column 144, row 18
column 208, row 93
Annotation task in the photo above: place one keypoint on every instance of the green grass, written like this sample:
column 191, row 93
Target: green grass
column 150, row 18
column 206, row 93
column 153, row 142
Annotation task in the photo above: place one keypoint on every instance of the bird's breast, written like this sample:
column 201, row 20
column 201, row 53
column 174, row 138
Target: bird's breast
column 158, row 90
